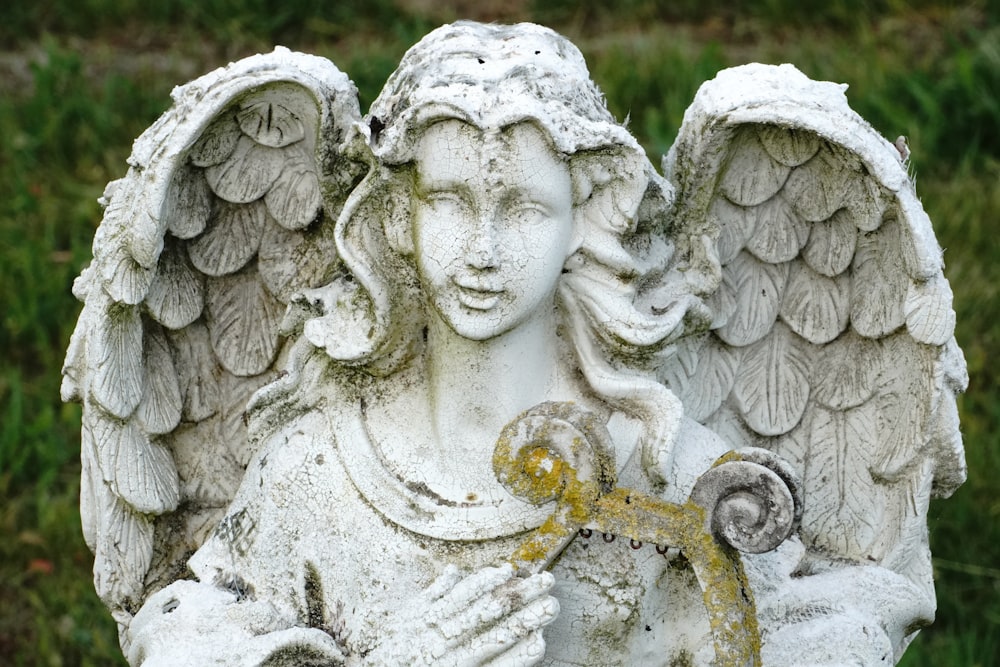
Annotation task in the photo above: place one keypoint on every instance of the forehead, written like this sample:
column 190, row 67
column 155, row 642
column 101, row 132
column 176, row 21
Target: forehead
column 518, row 155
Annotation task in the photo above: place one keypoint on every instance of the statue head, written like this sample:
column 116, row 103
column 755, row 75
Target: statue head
column 496, row 99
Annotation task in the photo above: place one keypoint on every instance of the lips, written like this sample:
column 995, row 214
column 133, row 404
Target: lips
column 476, row 294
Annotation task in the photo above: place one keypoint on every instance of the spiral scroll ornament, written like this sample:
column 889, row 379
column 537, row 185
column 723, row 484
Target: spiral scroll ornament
column 752, row 500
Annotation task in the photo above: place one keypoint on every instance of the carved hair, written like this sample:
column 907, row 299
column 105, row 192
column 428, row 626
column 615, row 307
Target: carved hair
column 617, row 304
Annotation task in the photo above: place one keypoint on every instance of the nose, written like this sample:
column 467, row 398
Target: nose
column 481, row 250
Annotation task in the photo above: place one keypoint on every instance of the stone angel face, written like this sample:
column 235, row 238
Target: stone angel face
column 304, row 331
column 490, row 251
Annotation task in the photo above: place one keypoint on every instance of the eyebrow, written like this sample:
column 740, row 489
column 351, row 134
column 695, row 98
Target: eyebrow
column 527, row 193
column 426, row 184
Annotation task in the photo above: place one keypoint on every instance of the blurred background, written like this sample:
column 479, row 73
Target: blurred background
column 80, row 79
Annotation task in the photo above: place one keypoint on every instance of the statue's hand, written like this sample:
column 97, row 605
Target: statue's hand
column 490, row 615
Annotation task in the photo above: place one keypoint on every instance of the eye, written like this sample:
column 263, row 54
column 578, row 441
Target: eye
column 445, row 201
column 527, row 213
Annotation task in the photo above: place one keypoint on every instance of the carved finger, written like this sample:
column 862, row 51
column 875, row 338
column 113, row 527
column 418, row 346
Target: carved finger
column 468, row 590
column 528, row 651
column 517, row 640
column 510, row 597
column 444, row 583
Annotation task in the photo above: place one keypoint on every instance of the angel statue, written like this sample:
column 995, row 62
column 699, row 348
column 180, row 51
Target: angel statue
column 467, row 381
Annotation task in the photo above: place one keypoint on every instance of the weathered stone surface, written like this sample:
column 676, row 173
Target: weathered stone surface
column 531, row 402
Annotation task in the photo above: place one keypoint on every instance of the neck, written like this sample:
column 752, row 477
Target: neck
column 477, row 387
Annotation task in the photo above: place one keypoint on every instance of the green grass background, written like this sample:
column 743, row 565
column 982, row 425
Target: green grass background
column 79, row 79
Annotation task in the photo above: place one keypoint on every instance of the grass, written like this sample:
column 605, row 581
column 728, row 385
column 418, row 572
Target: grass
column 100, row 71
column 965, row 528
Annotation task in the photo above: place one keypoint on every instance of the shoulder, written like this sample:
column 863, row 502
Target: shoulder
column 308, row 437
column 310, row 386
column 301, row 456
column 295, row 477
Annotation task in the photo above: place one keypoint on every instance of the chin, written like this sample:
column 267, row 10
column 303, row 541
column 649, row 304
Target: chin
column 478, row 325
column 479, row 331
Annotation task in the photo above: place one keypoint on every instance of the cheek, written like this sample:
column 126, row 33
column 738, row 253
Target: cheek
column 437, row 244
column 544, row 250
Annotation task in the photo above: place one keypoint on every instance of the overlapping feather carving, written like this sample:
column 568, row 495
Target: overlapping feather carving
column 831, row 341
column 832, row 335
column 226, row 211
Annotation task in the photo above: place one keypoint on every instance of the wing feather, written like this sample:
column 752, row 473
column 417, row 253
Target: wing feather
column 176, row 298
column 772, row 386
column 137, row 470
column 794, row 446
column 820, row 187
column 247, row 174
column 125, row 280
column 903, row 402
column 704, row 374
column 832, row 299
column 115, row 355
column 723, row 301
column 159, row 411
column 271, row 123
column 752, row 176
column 849, row 516
column 780, row 234
column 181, row 317
column 867, row 202
column 90, row 478
column 198, row 373
column 243, row 321
column 930, row 317
column 789, row 147
column 814, row 306
column 877, row 310
column 846, row 372
column 831, row 245
column 736, row 225
column 188, row 206
column 292, row 261
column 124, row 552
column 231, row 239
column 295, row 199
column 216, row 143
column 681, row 363
column 759, row 287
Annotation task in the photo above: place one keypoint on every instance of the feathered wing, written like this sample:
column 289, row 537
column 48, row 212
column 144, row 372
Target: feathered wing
column 832, row 339
column 226, row 211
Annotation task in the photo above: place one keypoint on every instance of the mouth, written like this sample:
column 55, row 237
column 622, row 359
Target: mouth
column 477, row 296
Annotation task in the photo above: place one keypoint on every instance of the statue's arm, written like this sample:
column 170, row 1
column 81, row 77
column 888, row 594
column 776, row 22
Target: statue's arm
column 468, row 620
column 240, row 613
column 195, row 623
column 853, row 614
column 224, row 616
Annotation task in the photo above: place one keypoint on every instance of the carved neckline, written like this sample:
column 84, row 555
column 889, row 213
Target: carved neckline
column 423, row 504
column 418, row 508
